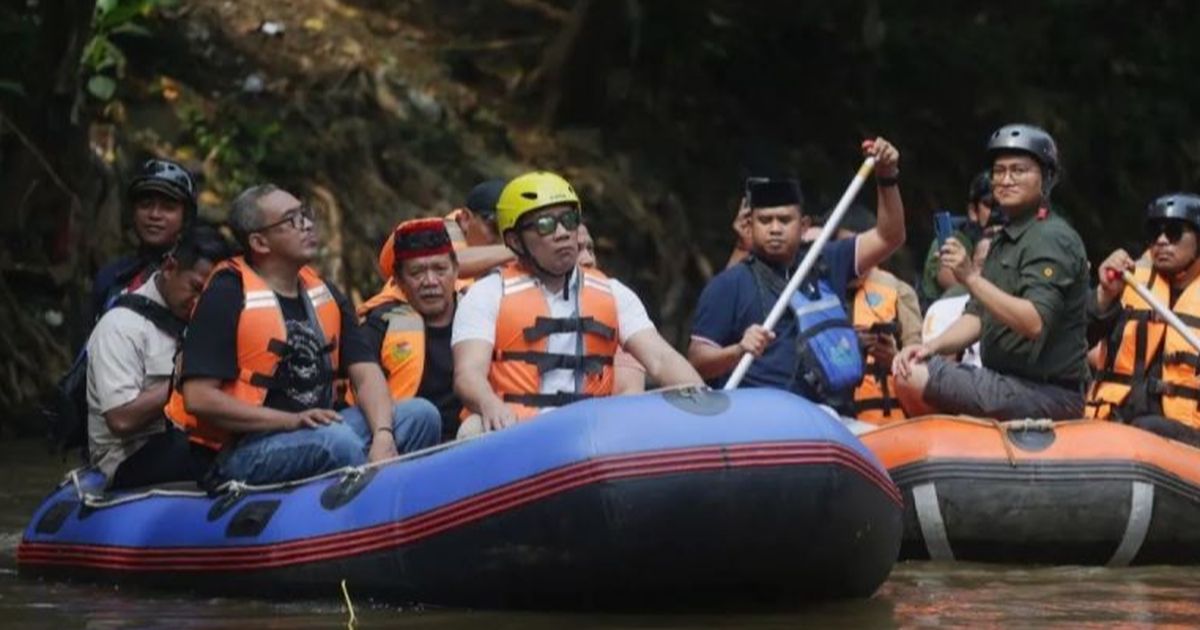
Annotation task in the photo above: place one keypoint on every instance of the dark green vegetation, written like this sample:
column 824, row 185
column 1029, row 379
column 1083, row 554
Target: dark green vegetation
column 385, row 109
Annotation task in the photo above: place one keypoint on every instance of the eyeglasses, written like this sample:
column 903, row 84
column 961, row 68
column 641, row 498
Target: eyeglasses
column 294, row 217
column 1017, row 171
column 1172, row 229
column 546, row 224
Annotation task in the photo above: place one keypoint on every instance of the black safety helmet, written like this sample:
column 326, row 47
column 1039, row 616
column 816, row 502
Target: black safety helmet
column 1032, row 140
column 1180, row 205
column 981, row 188
column 483, row 198
column 168, row 178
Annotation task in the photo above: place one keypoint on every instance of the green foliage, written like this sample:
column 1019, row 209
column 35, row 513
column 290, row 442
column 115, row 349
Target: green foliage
column 103, row 62
column 245, row 146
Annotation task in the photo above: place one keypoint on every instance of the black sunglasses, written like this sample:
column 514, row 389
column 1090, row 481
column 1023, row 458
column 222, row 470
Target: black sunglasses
column 546, row 224
column 1173, row 229
column 296, row 217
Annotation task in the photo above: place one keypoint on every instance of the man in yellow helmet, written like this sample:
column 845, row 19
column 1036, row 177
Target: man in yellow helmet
column 543, row 332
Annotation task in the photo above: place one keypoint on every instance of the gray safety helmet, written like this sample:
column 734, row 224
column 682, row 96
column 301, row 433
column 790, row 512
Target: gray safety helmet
column 1031, row 140
column 1180, row 205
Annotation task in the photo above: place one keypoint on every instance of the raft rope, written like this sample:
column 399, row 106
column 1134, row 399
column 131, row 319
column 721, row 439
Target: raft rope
column 1003, row 427
column 235, row 486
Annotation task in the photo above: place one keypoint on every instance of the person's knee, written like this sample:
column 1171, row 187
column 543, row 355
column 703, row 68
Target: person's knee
column 341, row 447
column 913, row 385
column 421, row 414
column 910, row 390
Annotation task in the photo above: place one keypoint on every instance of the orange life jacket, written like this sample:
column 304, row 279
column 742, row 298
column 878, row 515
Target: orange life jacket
column 1142, row 337
column 261, row 340
column 522, row 327
column 876, row 302
column 403, row 353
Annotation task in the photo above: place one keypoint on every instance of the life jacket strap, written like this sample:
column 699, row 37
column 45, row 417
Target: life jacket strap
column 886, row 405
column 558, row 399
column 812, row 331
column 546, row 326
column 545, row 361
column 1171, row 390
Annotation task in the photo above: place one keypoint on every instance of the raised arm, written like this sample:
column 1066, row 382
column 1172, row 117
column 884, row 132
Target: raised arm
column 876, row 244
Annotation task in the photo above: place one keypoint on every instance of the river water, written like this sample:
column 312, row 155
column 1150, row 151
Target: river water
column 917, row 594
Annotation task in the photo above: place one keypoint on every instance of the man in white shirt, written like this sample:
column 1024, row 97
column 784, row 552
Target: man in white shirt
column 130, row 356
column 543, row 332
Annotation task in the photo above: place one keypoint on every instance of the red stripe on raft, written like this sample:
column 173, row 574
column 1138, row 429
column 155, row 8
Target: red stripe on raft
column 478, row 507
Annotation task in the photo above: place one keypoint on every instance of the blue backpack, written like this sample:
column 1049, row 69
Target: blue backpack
column 828, row 358
column 828, row 355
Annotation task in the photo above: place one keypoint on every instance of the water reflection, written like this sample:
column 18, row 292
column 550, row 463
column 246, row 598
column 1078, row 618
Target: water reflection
column 917, row 595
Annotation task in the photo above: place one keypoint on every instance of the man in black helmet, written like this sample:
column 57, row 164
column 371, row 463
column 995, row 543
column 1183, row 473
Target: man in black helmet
column 163, row 198
column 1027, row 306
column 1149, row 378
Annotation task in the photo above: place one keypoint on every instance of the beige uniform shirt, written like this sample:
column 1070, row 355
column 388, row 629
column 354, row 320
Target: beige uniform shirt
column 127, row 354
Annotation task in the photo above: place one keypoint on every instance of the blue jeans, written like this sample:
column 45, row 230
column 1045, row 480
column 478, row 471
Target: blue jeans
column 261, row 458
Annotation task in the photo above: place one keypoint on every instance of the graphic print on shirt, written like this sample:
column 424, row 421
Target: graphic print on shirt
column 302, row 368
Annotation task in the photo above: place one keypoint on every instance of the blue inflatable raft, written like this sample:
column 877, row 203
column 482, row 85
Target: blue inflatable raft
column 663, row 499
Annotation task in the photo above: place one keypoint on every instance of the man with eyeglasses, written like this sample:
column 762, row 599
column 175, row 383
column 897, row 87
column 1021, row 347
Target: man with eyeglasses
column 1027, row 306
column 163, row 200
column 1149, row 378
column 543, row 332
column 267, row 342
column 814, row 350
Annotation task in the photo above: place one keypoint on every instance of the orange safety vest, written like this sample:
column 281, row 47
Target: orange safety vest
column 403, row 353
column 1142, row 336
column 520, row 358
column 876, row 302
column 261, row 340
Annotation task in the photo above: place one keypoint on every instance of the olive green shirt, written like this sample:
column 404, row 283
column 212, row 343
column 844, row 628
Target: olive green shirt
column 1043, row 261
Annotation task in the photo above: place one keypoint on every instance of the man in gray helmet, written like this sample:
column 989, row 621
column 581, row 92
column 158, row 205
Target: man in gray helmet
column 1149, row 378
column 1027, row 306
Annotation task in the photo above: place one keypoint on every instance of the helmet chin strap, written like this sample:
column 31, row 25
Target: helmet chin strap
column 536, row 265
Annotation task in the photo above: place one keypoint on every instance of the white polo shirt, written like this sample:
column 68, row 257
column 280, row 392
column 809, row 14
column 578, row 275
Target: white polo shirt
column 480, row 308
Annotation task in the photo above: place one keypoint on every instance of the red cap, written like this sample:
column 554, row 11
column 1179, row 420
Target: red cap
column 415, row 238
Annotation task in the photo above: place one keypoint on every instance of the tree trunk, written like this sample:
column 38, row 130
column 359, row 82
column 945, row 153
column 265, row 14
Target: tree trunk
column 50, row 185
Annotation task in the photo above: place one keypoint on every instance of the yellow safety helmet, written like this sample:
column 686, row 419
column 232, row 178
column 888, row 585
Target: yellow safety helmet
column 529, row 192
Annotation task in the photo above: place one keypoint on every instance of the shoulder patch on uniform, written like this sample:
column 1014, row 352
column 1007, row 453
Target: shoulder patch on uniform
column 874, row 299
column 401, row 351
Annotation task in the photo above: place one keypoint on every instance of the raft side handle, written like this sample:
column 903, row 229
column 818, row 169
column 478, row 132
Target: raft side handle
column 1141, row 508
column 933, row 528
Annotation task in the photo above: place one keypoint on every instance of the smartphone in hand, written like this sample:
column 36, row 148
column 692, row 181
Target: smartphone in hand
column 943, row 227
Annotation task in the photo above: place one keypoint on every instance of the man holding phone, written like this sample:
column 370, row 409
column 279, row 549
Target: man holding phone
column 1027, row 306
column 979, row 221
column 729, row 315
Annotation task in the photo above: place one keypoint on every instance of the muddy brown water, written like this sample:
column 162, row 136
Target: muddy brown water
column 918, row 594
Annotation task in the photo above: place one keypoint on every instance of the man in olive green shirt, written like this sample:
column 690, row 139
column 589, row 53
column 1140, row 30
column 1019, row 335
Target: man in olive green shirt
column 1028, row 304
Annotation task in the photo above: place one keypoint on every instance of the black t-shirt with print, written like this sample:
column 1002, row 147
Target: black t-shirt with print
column 303, row 378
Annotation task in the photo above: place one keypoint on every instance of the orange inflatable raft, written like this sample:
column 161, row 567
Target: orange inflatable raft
column 1036, row 491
